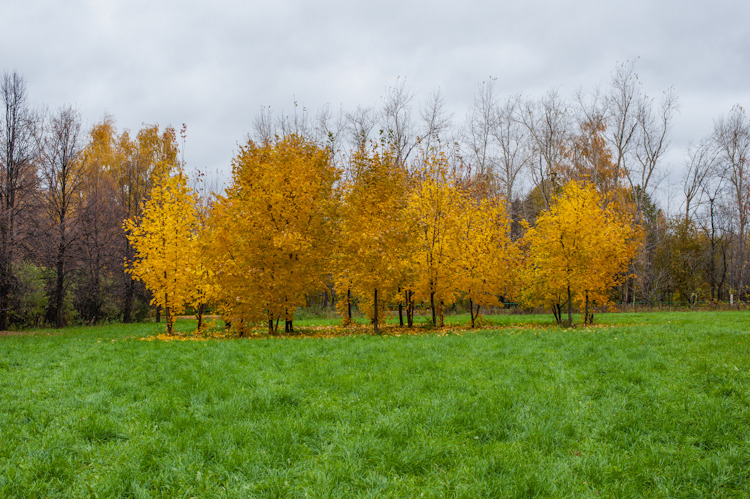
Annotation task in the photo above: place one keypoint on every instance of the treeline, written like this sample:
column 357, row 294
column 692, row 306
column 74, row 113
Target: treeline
column 508, row 169
column 64, row 194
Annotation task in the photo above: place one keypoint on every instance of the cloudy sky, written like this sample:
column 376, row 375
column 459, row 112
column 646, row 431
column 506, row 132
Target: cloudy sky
column 213, row 65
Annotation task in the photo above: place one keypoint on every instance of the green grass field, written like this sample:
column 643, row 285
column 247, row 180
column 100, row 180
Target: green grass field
column 642, row 405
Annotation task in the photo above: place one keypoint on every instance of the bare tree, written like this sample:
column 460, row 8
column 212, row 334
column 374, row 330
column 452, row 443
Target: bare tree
column 264, row 126
column 435, row 120
column 397, row 121
column 713, row 224
column 62, row 178
column 622, row 106
column 732, row 138
column 481, row 123
column 359, row 125
column 494, row 137
column 17, row 178
column 547, row 124
column 513, row 157
column 637, row 134
column 329, row 132
column 701, row 164
column 297, row 123
column 653, row 141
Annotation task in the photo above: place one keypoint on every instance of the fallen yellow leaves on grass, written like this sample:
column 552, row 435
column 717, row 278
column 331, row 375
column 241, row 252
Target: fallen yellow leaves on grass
column 193, row 336
column 317, row 332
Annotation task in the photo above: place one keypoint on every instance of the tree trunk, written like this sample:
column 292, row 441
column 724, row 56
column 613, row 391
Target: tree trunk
column 127, row 309
column 471, row 312
column 4, row 293
column 713, row 251
column 96, row 285
column 557, row 312
column 375, row 314
column 199, row 315
column 400, row 311
column 169, row 319
column 60, row 287
column 410, row 308
column 586, row 320
column 349, row 303
column 288, row 323
column 570, row 308
column 432, row 306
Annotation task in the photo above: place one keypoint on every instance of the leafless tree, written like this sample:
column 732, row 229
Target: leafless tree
column 513, row 157
column 637, row 133
column 329, row 132
column 264, row 126
column 547, row 122
column 732, row 138
column 622, row 106
column 481, row 123
column 713, row 223
column 359, row 125
column 17, row 177
column 494, row 137
column 436, row 122
column 397, row 121
column 296, row 123
column 62, row 178
column 653, row 140
column 701, row 164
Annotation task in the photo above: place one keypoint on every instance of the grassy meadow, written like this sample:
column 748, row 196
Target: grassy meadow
column 638, row 405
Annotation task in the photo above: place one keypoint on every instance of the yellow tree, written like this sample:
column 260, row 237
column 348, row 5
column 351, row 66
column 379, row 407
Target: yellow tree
column 164, row 240
column 485, row 256
column 577, row 251
column 271, row 230
column 205, row 285
column 435, row 206
column 372, row 255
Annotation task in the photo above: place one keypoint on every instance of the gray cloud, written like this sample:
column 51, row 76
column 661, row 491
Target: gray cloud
column 213, row 65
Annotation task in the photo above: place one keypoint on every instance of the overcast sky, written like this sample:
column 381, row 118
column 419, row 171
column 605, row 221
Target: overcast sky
column 212, row 65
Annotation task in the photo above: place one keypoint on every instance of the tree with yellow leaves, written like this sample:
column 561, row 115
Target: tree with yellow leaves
column 486, row 259
column 271, row 231
column 164, row 240
column 577, row 251
column 371, row 260
column 435, row 207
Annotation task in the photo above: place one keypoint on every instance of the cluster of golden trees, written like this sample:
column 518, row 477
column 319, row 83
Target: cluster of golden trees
column 386, row 235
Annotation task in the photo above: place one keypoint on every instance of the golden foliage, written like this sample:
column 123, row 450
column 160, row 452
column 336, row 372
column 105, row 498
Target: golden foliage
column 374, row 234
column 270, row 233
column 577, row 251
column 165, row 240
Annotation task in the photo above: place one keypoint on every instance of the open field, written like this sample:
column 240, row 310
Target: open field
column 641, row 405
